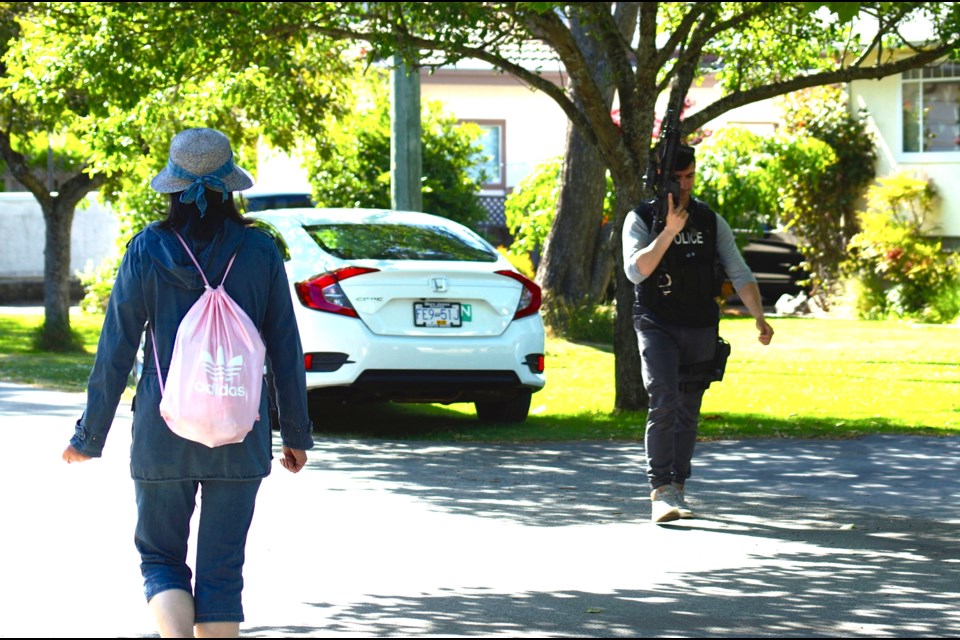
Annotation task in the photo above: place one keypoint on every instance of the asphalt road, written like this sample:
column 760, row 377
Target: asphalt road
column 378, row 538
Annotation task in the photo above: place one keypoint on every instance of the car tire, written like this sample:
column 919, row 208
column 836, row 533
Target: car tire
column 514, row 409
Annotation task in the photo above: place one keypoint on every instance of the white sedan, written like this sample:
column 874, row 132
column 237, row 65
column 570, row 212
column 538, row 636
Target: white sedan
column 409, row 307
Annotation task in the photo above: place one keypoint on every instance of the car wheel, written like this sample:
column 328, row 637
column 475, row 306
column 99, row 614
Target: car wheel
column 512, row 410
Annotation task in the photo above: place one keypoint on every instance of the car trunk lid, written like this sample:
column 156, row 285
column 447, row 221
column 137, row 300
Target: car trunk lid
column 434, row 300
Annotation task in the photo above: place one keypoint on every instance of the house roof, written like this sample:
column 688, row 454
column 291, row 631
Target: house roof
column 533, row 55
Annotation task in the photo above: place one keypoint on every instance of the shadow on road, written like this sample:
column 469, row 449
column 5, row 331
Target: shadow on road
column 837, row 539
column 383, row 538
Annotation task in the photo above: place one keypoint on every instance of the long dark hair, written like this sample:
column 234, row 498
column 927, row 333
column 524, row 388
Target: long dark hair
column 186, row 215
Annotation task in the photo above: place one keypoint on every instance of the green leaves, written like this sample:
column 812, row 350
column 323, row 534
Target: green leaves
column 901, row 272
column 532, row 206
column 771, row 44
column 350, row 165
column 122, row 78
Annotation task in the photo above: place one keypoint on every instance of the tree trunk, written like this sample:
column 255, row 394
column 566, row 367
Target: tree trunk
column 55, row 335
column 58, row 211
column 575, row 267
column 630, row 393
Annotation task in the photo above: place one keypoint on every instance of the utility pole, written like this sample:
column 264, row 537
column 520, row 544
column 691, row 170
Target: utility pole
column 406, row 155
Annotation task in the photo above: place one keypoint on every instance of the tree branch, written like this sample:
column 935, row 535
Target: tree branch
column 688, row 59
column 527, row 77
column 848, row 74
column 73, row 190
column 17, row 164
column 882, row 31
column 617, row 52
column 747, row 14
column 681, row 33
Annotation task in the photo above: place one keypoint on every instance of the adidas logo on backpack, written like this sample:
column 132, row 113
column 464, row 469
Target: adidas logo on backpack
column 214, row 384
column 221, row 375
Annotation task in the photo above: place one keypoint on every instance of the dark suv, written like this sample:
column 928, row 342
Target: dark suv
column 775, row 261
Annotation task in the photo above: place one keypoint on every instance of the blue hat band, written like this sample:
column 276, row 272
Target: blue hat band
column 196, row 191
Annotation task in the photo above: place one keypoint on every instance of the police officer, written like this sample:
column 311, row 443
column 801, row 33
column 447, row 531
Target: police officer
column 677, row 273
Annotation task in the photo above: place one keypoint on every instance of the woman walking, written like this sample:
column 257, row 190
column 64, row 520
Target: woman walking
column 158, row 282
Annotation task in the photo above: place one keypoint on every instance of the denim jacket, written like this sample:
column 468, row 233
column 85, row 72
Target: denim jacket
column 156, row 285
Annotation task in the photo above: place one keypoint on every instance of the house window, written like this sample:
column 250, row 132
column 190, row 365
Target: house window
column 931, row 108
column 492, row 139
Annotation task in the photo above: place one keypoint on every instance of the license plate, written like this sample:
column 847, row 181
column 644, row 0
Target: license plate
column 436, row 314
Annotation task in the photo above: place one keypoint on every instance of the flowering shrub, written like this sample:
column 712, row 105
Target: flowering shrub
column 902, row 273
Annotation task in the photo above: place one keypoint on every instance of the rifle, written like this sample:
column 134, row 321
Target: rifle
column 659, row 176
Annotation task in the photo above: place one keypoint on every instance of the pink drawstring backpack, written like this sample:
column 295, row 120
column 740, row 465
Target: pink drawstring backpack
column 212, row 392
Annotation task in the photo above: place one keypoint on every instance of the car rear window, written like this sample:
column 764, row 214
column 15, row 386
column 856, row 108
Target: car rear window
column 399, row 242
column 276, row 201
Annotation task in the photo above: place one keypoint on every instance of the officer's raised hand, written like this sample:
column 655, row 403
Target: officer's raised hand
column 676, row 217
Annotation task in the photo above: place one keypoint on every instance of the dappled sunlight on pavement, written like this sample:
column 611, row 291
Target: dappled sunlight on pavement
column 381, row 538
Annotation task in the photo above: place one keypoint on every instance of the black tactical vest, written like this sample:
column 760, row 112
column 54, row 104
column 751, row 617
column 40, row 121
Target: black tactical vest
column 684, row 287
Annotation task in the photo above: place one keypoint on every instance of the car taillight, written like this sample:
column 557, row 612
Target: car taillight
column 530, row 296
column 323, row 292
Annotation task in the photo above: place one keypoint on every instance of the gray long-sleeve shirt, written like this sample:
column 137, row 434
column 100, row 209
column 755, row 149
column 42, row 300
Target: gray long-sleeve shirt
column 637, row 237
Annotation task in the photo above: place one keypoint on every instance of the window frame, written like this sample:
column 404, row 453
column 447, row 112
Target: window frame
column 502, row 183
column 922, row 76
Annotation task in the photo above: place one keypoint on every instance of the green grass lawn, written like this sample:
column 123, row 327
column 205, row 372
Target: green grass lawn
column 819, row 378
column 64, row 372
column 838, row 377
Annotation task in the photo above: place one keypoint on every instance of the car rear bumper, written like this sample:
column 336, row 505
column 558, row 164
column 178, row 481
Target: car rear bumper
column 355, row 363
column 404, row 385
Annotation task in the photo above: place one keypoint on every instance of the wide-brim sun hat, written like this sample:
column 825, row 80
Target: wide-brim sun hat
column 201, row 156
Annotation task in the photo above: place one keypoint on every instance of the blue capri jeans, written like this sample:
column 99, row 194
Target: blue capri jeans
column 163, row 527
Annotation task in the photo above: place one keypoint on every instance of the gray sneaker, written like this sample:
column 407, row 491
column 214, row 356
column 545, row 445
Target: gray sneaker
column 664, row 506
column 685, row 510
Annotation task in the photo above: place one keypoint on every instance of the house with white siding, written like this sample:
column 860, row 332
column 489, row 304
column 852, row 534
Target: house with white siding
column 523, row 128
column 915, row 119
